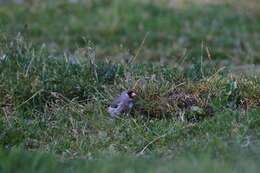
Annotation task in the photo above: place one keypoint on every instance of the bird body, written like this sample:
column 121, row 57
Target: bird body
column 122, row 104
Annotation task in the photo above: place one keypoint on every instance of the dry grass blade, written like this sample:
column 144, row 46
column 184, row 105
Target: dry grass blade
column 140, row 47
column 156, row 139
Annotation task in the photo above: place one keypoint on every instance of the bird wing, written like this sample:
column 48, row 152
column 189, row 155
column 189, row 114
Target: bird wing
column 116, row 103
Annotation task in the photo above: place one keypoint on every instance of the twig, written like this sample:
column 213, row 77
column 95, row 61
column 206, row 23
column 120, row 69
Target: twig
column 38, row 92
column 28, row 68
column 7, row 117
column 219, row 70
column 62, row 98
column 136, row 83
column 142, row 151
column 138, row 51
column 176, row 86
column 209, row 55
column 201, row 60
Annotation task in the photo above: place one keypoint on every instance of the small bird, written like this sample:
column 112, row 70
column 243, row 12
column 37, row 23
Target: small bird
column 122, row 104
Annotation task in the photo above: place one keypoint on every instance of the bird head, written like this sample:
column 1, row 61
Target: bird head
column 130, row 94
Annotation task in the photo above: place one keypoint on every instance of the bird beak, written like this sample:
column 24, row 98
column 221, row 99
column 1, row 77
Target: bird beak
column 133, row 94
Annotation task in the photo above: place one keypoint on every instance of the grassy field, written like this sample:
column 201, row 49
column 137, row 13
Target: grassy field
column 194, row 66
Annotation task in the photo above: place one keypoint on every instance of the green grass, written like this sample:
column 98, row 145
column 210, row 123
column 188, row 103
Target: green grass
column 227, row 32
column 201, row 163
column 61, row 65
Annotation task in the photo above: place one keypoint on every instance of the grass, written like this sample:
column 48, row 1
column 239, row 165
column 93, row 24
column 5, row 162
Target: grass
column 173, row 32
column 60, row 69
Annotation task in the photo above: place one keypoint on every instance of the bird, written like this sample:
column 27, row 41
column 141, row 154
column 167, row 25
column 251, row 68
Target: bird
column 123, row 104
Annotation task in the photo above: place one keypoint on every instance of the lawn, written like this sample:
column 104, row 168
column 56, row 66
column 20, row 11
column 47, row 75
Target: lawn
column 194, row 65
